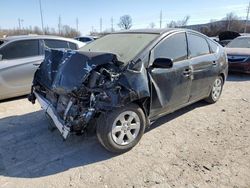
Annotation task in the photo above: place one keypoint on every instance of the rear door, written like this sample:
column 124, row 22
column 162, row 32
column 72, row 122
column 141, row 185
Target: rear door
column 204, row 66
column 170, row 87
column 17, row 66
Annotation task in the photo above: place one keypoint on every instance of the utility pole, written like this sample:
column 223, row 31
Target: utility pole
column 77, row 23
column 100, row 25
column 160, row 18
column 19, row 23
column 22, row 24
column 248, row 10
column 41, row 13
column 112, row 24
column 59, row 24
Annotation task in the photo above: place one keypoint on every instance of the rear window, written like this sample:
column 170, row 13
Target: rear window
column 243, row 42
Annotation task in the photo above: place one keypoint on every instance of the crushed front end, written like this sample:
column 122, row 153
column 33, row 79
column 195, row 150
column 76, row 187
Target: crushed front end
column 75, row 87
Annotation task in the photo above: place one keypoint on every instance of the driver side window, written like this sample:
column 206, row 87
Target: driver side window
column 173, row 47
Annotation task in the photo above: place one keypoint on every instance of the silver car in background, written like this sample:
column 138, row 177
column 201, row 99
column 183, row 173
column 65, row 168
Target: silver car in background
column 20, row 56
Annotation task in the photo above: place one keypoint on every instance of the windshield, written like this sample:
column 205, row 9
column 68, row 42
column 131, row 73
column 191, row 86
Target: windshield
column 125, row 45
column 243, row 42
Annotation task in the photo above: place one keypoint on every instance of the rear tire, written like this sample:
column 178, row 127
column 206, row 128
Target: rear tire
column 216, row 90
column 120, row 130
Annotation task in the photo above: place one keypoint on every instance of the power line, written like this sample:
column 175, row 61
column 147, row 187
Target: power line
column 41, row 13
column 248, row 10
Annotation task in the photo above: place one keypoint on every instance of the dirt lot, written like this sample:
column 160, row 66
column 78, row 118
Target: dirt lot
column 199, row 146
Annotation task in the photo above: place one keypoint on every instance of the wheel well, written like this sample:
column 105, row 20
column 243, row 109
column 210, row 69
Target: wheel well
column 144, row 104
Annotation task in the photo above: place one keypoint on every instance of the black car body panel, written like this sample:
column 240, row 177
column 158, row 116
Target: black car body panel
column 69, row 69
column 81, row 85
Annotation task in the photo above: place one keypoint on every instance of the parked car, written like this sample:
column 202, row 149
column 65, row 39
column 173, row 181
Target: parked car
column 124, row 81
column 20, row 57
column 227, row 36
column 87, row 39
column 238, row 52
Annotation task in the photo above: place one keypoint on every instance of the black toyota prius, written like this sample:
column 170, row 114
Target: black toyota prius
column 119, row 84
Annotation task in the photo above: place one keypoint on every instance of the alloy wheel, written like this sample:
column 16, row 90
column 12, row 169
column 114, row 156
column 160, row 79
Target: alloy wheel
column 125, row 128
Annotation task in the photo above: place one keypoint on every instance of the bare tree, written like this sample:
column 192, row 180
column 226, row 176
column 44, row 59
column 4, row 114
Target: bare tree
column 66, row 31
column 232, row 21
column 185, row 20
column 125, row 22
column 179, row 23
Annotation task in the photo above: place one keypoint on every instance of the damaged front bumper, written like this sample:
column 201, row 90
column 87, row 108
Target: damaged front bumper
column 75, row 88
column 51, row 112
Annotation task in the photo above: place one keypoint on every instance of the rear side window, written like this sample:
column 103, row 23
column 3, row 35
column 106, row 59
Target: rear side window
column 174, row 47
column 213, row 46
column 20, row 49
column 55, row 43
column 72, row 46
column 197, row 45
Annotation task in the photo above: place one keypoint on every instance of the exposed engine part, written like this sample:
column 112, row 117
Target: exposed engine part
column 67, row 109
column 92, row 100
column 88, row 114
column 93, row 79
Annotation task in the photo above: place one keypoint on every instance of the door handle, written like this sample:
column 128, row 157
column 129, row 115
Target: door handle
column 187, row 72
column 214, row 63
column 36, row 64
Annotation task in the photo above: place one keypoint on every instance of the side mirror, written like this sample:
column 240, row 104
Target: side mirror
column 163, row 63
column 1, row 57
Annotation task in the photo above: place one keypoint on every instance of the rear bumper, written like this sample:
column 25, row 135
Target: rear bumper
column 51, row 112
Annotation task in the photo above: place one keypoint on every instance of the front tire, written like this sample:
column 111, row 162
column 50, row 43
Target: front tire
column 216, row 90
column 120, row 130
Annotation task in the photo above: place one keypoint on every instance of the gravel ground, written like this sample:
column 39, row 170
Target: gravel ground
column 199, row 146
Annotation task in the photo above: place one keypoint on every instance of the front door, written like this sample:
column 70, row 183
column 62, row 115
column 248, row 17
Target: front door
column 170, row 86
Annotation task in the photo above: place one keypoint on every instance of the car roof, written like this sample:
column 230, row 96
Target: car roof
column 23, row 37
column 155, row 31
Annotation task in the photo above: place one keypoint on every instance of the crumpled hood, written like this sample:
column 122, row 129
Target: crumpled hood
column 238, row 51
column 63, row 71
